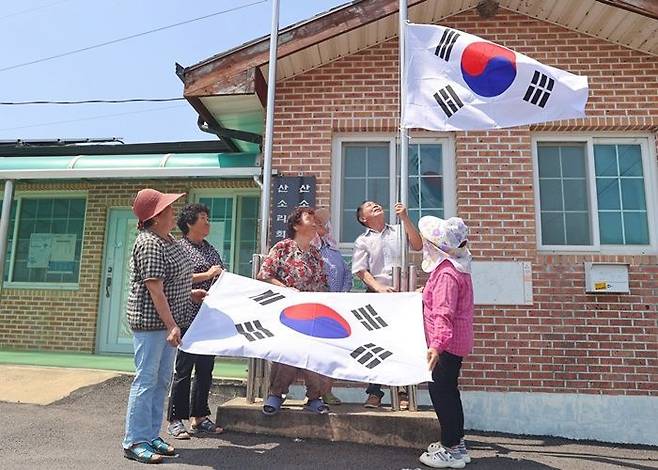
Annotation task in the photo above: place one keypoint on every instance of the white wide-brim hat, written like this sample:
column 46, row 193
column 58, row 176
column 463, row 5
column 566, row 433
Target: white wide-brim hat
column 442, row 239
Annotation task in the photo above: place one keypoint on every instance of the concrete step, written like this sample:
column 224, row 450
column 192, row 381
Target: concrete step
column 346, row 423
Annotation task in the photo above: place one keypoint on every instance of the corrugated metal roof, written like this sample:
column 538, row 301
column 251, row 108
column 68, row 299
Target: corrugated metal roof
column 129, row 166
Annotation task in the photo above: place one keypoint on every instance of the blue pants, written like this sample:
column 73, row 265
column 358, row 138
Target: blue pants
column 154, row 362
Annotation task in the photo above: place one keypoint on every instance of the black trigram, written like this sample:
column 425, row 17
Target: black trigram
column 369, row 318
column 253, row 330
column 448, row 100
column 448, row 40
column 370, row 355
column 267, row 297
column 539, row 89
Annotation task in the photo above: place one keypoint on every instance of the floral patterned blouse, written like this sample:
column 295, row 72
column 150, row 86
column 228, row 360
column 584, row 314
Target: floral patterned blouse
column 294, row 267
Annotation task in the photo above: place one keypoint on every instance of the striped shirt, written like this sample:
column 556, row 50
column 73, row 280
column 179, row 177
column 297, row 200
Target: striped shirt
column 377, row 253
column 448, row 310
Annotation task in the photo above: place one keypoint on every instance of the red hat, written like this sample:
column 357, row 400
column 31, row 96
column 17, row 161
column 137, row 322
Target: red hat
column 150, row 203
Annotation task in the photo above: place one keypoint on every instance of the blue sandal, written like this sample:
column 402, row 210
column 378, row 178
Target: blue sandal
column 162, row 448
column 272, row 405
column 317, row 406
column 142, row 452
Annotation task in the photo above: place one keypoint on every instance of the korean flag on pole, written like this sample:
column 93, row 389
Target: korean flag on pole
column 457, row 81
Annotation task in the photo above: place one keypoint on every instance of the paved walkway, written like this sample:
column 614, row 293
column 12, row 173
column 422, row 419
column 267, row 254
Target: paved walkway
column 45, row 385
column 84, row 431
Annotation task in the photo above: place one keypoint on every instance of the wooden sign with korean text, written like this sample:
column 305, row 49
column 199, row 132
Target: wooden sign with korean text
column 289, row 192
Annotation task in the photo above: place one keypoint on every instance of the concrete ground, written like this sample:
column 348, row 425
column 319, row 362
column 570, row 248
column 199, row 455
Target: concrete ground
column 45, row 385
column 84, row 431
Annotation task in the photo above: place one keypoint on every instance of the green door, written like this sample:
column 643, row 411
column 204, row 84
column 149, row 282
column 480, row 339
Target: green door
column 114, row 335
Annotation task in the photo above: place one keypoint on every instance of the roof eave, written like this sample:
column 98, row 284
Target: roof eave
column 648, row 8
column 208, row 77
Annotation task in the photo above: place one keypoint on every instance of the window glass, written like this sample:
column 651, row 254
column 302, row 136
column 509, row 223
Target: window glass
column 48, row 247
column 563, row 194
column 623, row 218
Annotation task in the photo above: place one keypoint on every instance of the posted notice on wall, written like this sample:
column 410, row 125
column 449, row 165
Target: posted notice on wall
column 52, row 251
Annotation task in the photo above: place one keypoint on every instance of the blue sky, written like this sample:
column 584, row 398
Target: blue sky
column 137, row 68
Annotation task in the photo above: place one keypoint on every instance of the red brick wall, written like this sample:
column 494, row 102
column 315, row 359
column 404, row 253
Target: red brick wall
column 65, row 320
column 567, row 341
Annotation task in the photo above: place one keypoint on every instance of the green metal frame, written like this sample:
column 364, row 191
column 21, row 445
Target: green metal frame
column 18, row 197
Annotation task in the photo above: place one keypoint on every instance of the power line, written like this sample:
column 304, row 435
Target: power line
column 117, row 101
column 33, row 9
column 132, row 36
column 90, row 118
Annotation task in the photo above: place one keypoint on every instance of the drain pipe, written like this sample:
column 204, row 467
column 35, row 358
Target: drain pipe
column 4, row 227
column 228, row 134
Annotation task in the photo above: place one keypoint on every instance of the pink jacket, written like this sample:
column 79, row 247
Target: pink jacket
column 448, row 310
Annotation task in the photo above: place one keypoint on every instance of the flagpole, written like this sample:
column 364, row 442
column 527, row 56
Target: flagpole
column 400, row 280
column 404, row 145
column 258, row 370
column 269, row 132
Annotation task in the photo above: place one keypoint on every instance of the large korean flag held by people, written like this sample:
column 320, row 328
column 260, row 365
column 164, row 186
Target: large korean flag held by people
column 457, row 81
column 376, row 338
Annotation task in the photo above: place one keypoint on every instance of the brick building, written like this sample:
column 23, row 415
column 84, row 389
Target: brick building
column 562, row 213
column 71, row 231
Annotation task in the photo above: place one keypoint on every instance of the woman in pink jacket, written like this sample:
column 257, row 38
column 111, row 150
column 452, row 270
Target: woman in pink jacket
column 448, row 314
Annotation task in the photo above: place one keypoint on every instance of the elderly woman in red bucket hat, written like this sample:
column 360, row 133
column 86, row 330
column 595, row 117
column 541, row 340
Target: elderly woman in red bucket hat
column 161, row 289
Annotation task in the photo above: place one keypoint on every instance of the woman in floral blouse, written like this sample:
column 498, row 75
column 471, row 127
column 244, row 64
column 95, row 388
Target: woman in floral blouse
column 295, row 263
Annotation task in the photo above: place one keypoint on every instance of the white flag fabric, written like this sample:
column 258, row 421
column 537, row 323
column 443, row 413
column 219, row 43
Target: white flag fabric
column 376, row 338
column 457, row 81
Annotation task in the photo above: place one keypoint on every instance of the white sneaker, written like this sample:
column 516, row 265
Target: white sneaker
column 442, row 459
column 434, row 446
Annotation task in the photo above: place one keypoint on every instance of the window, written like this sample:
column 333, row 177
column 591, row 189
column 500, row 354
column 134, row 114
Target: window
column 563, row 195
column 45, row 240
column 621, row 195
column 364, row 171
column 234, row 228
column 365, row 176
column 221, row 219
column 425, row 180
column 594, row 192
column 247, row 233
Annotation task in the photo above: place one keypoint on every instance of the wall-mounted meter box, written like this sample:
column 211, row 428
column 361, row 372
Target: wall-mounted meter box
column 606, row 278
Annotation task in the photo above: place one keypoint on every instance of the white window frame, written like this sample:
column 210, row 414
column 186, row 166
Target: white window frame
column 649, row 168
column 449, row 173
column 18, row 197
